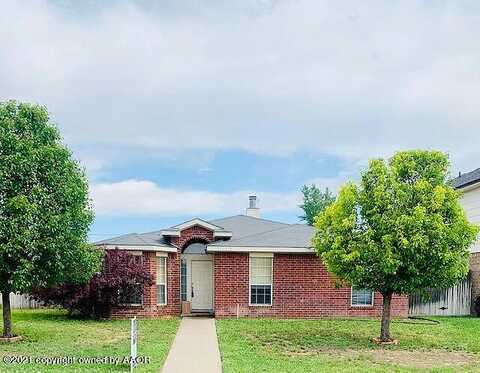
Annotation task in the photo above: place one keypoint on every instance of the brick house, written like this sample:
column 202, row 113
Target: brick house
column 241, row 266
column 469, row 185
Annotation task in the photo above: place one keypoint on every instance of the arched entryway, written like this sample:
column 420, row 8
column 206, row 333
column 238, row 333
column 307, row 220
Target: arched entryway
column 197, row 276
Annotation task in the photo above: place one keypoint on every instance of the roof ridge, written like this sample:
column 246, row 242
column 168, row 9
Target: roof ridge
column 150, row 232
column 141, row 238
column 253, row 217
column 115, row 237
column 257, row 234
column 467, row 173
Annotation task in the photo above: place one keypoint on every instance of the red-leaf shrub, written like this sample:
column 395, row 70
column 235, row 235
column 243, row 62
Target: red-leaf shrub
column 123, row 275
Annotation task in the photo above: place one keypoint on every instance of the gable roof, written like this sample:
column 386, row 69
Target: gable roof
column 466, row 179
column 197, row 221
column 217, row 230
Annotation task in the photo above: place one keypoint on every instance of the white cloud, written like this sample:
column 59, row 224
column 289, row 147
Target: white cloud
column 332, row 183
column 354, row 79
column 145, row 198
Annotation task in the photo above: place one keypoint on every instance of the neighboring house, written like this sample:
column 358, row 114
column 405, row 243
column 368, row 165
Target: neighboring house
column 241, row 266
column 469, row 185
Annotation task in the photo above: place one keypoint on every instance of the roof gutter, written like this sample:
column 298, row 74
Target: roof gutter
column 164, row 249
column 469, row 186
column 244, row 249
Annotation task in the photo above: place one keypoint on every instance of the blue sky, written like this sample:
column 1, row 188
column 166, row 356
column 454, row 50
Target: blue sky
column 181, row 108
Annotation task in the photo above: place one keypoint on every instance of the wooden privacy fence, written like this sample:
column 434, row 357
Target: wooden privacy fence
column 22, row 301
column 454, row 301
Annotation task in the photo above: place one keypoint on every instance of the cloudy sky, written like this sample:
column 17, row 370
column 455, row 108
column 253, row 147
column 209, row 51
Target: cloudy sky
column 180, row 108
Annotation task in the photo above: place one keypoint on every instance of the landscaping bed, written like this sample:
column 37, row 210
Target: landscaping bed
column 50, row 333
column 272, row 345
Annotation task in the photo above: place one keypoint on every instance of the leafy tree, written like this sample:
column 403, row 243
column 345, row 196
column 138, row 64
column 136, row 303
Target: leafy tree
column 315, row 201
column 402, row 230
column 45, row 212
column 122, row 277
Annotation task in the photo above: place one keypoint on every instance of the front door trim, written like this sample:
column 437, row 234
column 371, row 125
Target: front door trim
column 189, row 258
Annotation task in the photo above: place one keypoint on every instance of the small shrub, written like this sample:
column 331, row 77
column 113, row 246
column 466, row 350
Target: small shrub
column 123, row 276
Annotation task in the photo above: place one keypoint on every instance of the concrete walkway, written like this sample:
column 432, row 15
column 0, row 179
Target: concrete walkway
column 195, row 348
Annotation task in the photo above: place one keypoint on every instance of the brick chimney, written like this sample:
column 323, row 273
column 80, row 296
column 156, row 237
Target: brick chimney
column 252, row 209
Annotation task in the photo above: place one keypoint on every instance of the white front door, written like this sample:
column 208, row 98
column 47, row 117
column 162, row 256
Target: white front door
column 202, row 285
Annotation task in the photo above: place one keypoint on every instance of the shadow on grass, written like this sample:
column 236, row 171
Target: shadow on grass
column 39, row 314
column 52, row 314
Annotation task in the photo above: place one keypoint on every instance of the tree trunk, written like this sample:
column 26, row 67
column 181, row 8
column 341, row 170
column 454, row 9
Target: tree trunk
column 7, row 315
column 385, row 330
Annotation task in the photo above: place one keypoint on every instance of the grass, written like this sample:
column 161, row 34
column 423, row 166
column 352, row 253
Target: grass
column 334, row 345
column 51, row 333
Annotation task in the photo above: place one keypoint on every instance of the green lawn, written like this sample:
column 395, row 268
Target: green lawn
column 333, row 345
column 50, row 333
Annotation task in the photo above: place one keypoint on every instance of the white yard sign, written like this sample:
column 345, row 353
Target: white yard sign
column 133, row 343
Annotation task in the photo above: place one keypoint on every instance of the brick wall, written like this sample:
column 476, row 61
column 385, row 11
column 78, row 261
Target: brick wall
column 475, row 271
column 149, row 307
column 193, row 233
column 301, row 288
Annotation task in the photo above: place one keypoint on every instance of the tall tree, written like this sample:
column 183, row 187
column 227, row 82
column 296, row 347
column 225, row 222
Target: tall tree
column 315, row 201
column 402, row 230
column 45, row 213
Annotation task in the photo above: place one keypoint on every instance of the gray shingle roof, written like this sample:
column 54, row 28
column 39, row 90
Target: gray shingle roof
column 135, row 239
column 243, row 225
column 290, row 235
column 246, row 231
column 466, row 179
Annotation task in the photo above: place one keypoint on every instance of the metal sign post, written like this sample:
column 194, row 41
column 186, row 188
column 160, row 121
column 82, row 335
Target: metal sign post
column 133, row 343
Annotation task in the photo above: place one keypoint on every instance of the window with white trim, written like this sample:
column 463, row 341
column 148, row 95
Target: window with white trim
column 362, row 297
column 261, row 270
column 161, row 280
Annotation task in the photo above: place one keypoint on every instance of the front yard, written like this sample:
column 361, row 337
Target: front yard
column 253, row 345
column 269, row 345
column 49, row 333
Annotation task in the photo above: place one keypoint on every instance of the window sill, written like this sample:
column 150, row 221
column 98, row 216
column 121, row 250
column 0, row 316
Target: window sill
column 260, row 305
column 130, row 305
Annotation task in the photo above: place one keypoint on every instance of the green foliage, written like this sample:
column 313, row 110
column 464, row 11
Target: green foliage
column 315, row 201
column 45, row 213
column 402, row 230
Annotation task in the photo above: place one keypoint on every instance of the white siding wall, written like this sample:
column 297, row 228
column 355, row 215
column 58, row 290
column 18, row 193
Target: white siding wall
column 471, row 203
column 21, row 301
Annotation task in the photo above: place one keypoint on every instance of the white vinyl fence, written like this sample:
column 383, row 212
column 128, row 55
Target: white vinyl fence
column 455, row 301
column 22, row 301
